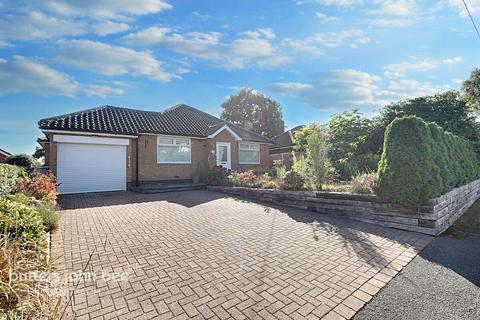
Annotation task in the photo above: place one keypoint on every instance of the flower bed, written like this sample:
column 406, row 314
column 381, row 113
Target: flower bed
column 27, row 215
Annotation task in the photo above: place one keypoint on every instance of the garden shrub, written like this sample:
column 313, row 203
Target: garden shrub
column 421, row 161
column 293, row 181
column 21, row 160
column 249, row 179
column 246, row 179
column 364, row 183
column 20, row 221
column 24, row 296
column 9, row 175
column 217, row 176
column 49, row 215
column 42, row 187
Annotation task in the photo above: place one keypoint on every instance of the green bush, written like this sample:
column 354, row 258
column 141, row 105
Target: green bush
column 421, row 161
column 49, row 216
column 217, row 176
column 364, row 183
column 21, row 160
column 9, row 176
column 20, row 221
column 293, row 181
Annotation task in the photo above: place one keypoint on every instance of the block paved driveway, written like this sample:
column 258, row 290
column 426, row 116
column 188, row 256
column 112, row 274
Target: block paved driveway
column 205, row 255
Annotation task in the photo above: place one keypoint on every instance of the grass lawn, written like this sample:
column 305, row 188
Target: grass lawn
column 467, row 224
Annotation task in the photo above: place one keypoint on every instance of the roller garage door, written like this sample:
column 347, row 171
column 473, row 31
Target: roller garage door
column 87, row 164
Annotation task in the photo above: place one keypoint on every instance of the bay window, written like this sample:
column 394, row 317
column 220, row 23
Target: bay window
column 249, row 153
column 173, row 150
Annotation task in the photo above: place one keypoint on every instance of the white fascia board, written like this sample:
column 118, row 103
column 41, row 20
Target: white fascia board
column 93, row 134
column 226, row 127
column 89, row 140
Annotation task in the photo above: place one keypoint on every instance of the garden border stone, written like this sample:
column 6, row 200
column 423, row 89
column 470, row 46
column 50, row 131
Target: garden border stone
column 433, row 218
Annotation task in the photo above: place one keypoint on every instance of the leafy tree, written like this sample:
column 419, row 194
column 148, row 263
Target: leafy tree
column 39, row 152
column 254, row 111
column 319, row 167
column 315, row 165
column 355, row 143
column 447, row 109
column 471, row 89
column 301, row 136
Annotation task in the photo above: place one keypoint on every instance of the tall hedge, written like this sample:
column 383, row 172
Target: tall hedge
column 421, row 161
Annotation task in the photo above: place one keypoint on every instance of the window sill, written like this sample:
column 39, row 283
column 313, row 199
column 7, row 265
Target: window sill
column 174, row 162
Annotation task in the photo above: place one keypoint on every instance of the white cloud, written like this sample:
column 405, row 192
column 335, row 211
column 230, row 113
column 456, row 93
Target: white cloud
column 25, row 75
column 452, row 60
column 404, row 89
column 101, row 91
column 111, row 9
column 325, row 18
column 473, row 6
column 109, row 27
column 395, row 22
column 303, row 46
column 247, row 48
column 202, row 17
column 397, row 70
column 395, row 7
column 37, row 25
column 458, row 81
column 334, row 90
column 341, row 3
column 314, row 44
column 344, row 89
column 22, row 74
column 111, row 60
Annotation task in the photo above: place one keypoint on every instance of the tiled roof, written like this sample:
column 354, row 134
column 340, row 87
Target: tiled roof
column 286, row 139
column 178, row 120
column 5, row 152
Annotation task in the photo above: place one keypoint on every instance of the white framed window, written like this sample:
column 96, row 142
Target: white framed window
column 249, row 153
column 173, row 150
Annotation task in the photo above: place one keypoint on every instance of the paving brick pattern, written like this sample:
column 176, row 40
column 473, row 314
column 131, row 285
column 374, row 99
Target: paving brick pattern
column 204, row 255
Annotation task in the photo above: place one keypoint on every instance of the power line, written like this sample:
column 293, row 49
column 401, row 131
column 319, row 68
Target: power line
column 471, row 19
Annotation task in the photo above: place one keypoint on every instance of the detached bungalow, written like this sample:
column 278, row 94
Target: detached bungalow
column 284, row 145
column 111, row 148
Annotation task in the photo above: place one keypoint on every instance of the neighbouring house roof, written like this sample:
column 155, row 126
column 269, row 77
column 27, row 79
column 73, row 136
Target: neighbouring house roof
column 286, row 139
column 5, row 152
column 180, row 120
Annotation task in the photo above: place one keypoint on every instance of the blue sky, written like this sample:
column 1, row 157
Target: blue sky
column 316, row 57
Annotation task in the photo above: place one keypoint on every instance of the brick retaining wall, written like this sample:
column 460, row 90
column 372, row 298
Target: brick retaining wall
column 433, row 218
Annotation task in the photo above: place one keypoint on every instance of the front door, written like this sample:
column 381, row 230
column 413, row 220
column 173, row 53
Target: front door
column 224, row 157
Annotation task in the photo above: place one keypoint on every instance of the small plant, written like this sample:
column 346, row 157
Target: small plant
column 25, row 293
column 280, row 172
column 293, row 181
column 365, row 183
column 42, row 187
column 268, row 182
column 49, row 216
column 246, row 179
column 9, row 175
column 217, row 176
column 20, row 221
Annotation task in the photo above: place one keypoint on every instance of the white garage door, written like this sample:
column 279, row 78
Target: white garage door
column 90, row 167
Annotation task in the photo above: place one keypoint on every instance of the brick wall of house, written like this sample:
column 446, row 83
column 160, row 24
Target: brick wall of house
column 150, row 170
column 225, row 136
